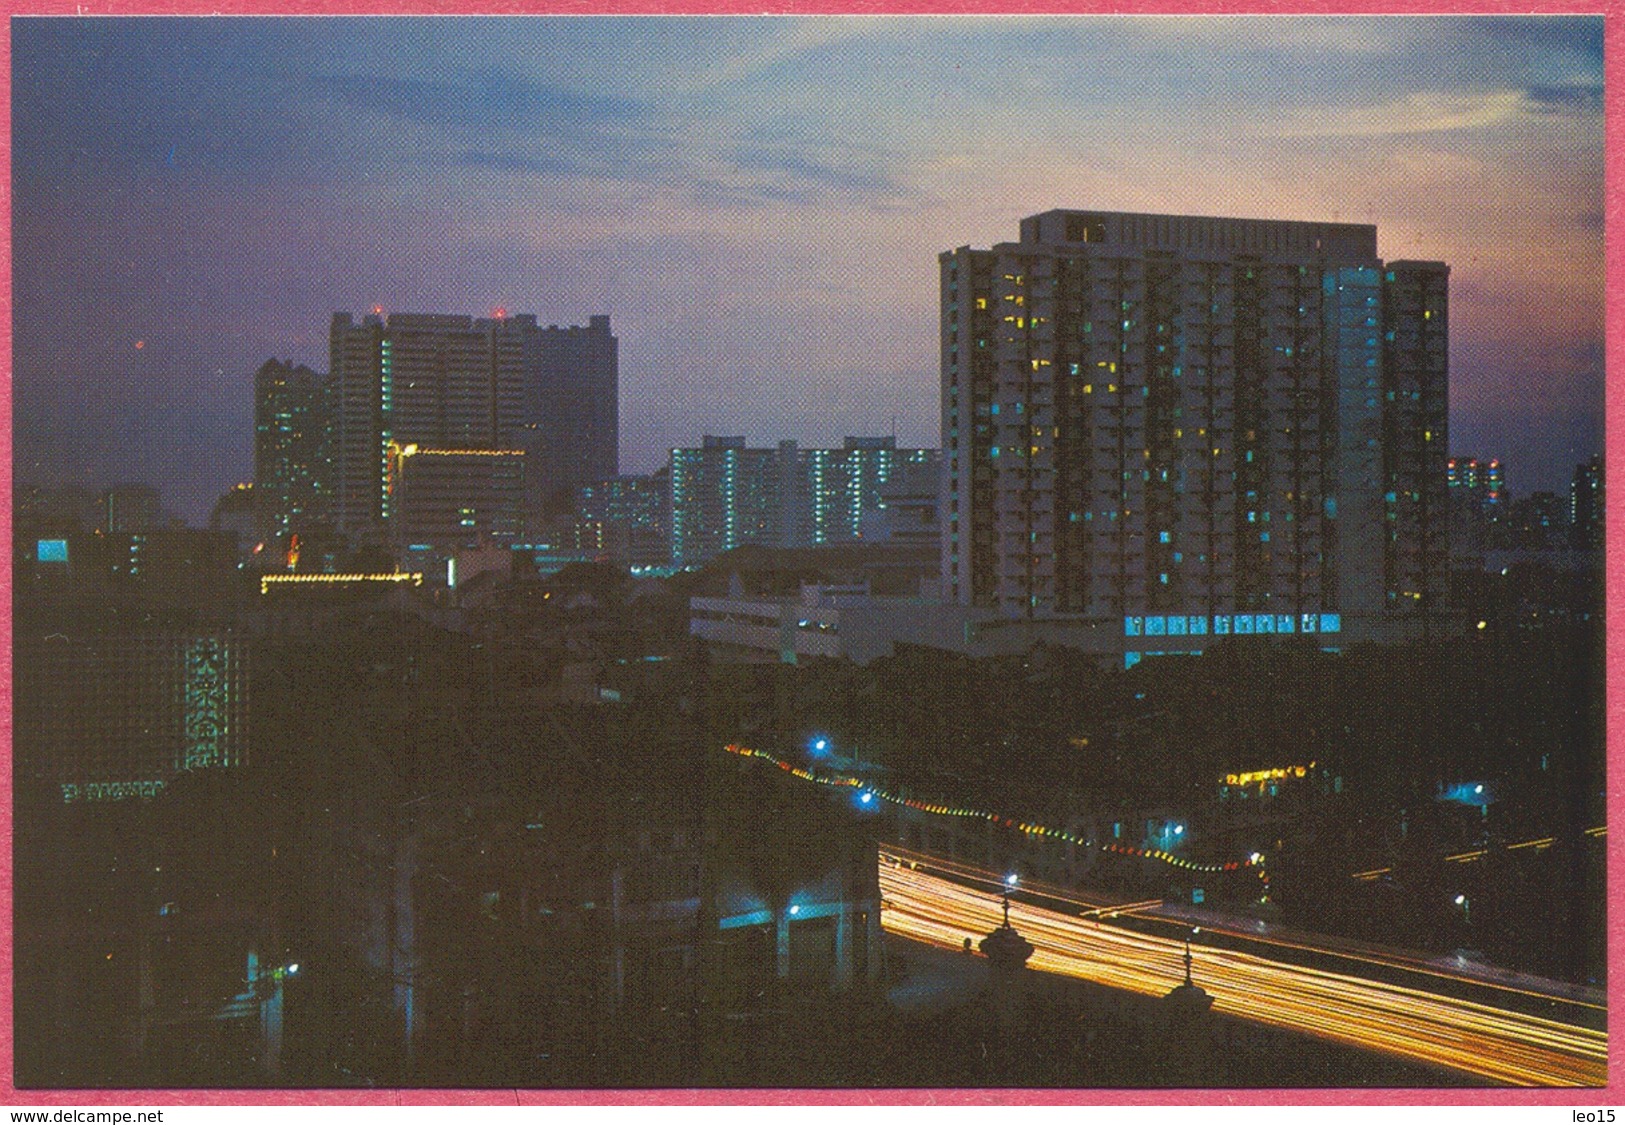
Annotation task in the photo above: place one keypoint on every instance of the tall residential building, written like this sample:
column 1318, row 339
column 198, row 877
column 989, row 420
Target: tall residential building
column 839, row 491
column 624, row 518
column 724, row 495
column 437, row 382
column 293, row 482
column 1195, row 425
column 571, row 408
column 1586, row 505
column 460, row 383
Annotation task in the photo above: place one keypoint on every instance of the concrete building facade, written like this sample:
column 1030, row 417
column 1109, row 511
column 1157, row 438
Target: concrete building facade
column 460, row 383
column 725, row 495
column 571, row 434
column 292, row 459
column 1195, row 420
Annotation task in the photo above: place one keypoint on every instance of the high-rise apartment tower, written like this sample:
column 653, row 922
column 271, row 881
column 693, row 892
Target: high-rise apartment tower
column 456, row 383
column 292, row 478
column 1195, row 426
column 571, row 408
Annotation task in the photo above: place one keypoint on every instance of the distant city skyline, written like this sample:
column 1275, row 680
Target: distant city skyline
column 757, row 202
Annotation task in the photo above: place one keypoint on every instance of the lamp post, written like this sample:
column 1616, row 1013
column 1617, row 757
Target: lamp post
column 1008, row 952
column 1188, row 997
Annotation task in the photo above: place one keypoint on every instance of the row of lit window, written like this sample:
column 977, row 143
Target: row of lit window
column 1225, row 624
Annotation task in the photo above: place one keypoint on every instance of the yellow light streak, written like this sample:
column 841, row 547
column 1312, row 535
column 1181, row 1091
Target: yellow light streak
column 1461, row 1035
column 1469, row 857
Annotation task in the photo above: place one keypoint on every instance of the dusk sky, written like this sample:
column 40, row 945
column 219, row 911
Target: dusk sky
column 757, row 203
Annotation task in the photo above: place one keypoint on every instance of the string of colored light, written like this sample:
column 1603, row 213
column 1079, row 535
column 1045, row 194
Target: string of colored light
column 269, row 580
column 937, row 808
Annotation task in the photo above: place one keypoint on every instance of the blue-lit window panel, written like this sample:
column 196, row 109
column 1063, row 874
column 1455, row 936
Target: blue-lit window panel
column 51, row 550
column 1285, row 623
column 1331, row 623
column 1156, row 626
column 1264, row 623
column 1244, row 624
column 1133, row 626
column 1310, row 622
column 1176, row 625
column 1221, row 624
column 1130, row 659
column 1198, row 625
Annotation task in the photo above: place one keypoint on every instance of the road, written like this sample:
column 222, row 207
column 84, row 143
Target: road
column 929, row 900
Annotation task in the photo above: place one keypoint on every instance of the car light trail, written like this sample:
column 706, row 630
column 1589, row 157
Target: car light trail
column 1148, row 911
column 1461, row 1035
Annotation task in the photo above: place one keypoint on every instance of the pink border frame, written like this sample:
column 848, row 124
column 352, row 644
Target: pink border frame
column 1614, row 78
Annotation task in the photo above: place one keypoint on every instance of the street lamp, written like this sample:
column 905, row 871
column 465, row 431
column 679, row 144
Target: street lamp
column 1466, row 905
column 1194, row 931
column 1009, row 885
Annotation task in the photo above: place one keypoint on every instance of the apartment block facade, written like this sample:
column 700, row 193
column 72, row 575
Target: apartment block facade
column 1196, row 425
column 725, row 495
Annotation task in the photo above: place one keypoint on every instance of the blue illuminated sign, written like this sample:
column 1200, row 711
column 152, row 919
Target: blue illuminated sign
column 52, row 550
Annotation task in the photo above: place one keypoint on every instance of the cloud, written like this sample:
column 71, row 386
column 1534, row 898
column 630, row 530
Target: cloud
column 805, row 170
column 484, row 101
column 1565, row 100
column 1428, row 112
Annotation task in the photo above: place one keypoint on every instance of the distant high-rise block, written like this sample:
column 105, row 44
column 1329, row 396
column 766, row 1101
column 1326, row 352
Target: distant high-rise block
column 460, row 383
column 1476, row 481
column 438, row 382
column 1193, row 420
column 1586, row 505
column 571, row 408
column 293, row 483
column 724, row 495
column 624, row 518
column 1476, row 490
